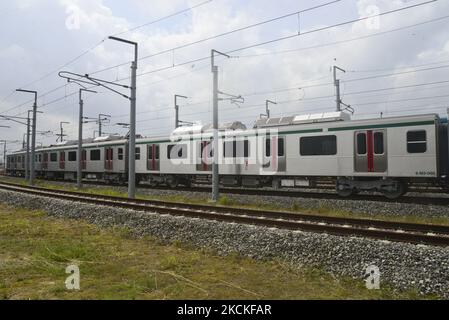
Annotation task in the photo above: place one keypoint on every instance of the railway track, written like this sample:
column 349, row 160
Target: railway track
column 311, row 194
column 377, row 229
column 320, row 195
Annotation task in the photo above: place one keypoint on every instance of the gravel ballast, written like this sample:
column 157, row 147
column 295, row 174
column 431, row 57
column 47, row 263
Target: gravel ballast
column 364, row 207
column 402, row 265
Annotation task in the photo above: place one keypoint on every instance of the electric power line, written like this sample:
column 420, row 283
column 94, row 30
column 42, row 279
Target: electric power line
column 221, row 35
column 279, row 39
column 102, row 41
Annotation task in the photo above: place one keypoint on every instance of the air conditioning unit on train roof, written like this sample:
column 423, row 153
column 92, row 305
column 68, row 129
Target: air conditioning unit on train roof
column 198, row 128
column 65, row 143
column 302, row 119
column 108, row 138
column 193, row 129
column 236, row 125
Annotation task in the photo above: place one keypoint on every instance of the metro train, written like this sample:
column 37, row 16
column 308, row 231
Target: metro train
column 385, row 155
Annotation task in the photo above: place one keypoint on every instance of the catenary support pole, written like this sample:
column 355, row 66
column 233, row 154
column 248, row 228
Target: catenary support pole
column 33, row 142
column 337, row 88
column 177, row 109
column 267, row 107
column 132, row 122
column 99, row 126
column 4, row 155
column 79, row 171
column 132, row 129
column 215, row 167
column 33, row 135
column 27, row 160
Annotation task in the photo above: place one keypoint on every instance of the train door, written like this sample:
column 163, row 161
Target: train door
column 370, row 151
column 120, row 159
column 274, row 155
column 153, row 157
column 45, row 161
column 62, row 160
column 205, row 159
column 83, row 159
column 109, row 159
column 126, row 151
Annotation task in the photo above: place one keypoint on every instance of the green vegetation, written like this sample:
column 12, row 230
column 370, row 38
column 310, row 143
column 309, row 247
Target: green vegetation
column 35, row 249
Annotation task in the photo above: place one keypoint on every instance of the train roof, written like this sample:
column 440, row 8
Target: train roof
column 306, row 123
column 302, row 119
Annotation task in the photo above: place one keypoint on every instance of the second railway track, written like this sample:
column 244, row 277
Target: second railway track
column 378, row 229
column 324, row 193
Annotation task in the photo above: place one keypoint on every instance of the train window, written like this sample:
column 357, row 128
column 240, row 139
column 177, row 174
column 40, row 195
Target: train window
column 95, row 155
column 137, row 153
column 72, row 156
column 361, row 143
column 246, row 148
column 157, row 152
column 318, row 146
column 120, row 154
column 40, row 157
column 206, row 145
column 268, row 147
column 229, row 149
column 378, row 143
column 53, row 157
column 241, row 149
column 177, row 151
column 281, row 147
column 416, row 141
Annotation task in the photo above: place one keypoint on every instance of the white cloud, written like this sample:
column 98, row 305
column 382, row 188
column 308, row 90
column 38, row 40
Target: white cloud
column 427, row 43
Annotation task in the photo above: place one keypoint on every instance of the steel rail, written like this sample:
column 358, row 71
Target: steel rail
column 377, row 229
column 312, row 194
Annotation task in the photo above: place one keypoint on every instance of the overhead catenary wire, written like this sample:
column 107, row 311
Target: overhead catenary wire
column 85, row 52
column 286, row 51
column 163, row 18
column 229, row 52
column 244, row 48
column 170, row 50
column 47, row 103
column 375, row 34
column 295, row 88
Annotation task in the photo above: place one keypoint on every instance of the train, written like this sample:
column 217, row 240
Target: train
column 385, row 155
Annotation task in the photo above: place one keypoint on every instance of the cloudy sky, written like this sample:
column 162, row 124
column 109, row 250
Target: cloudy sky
column 396, row 63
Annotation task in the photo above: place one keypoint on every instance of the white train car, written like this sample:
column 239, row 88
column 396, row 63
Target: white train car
column 384, row 155
column 375, row 154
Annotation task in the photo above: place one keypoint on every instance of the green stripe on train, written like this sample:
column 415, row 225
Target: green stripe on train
column 379, row 126
column 374, row 126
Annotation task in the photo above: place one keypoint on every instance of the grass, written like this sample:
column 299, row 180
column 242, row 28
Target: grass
column 225, row 201
column 35, row 249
